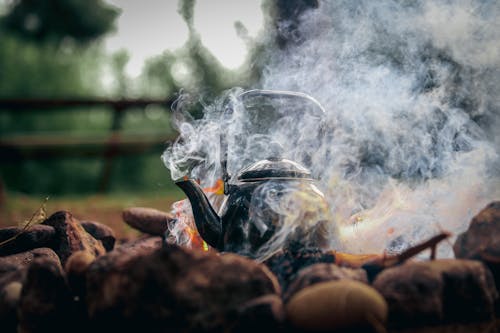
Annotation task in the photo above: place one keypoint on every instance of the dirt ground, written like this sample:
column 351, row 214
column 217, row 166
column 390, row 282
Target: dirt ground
column 106, row 209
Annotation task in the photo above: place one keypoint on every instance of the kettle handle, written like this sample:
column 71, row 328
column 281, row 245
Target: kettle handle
column 255, row 92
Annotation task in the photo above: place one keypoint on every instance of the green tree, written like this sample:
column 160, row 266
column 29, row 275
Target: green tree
column 51, row 49
column 57, row 21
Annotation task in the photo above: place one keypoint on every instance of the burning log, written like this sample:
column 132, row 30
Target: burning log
column 71, row 237
column 374, row 266
column 148, row 220
column 174, row 289
column 436, row 292
column 17, row 239
column 100, row 232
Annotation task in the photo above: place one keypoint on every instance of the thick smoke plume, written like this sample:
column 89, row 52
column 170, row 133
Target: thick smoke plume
column 411, row 93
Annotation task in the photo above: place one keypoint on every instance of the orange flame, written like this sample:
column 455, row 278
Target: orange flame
column 196, row 241
column 218, row 188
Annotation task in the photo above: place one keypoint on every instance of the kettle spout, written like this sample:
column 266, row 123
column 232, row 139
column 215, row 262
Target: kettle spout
column 206, row 219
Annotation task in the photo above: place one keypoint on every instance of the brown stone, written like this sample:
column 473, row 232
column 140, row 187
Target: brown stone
column 482, row 239
column 148, row 220
column 9, row 299
column 287, row 263
column 32, row 238
column 337, row 305
column 439, row 291
column 101, row 232
column 321, row 273
column 20, row 260
column 45, row 304
column 262, row 314
column 76, row 269
column 13, row 267
column 120, row 257
column 71, row 237
column 13, row 270
column 174, row 289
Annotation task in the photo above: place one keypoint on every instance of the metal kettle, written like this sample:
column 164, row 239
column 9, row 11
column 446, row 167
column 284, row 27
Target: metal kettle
column 248, row 218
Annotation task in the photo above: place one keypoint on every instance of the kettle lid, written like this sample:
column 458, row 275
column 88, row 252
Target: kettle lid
column 273, row 168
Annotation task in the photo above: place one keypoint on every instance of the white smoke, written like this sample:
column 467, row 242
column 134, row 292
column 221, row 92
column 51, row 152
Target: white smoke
column 410, row 89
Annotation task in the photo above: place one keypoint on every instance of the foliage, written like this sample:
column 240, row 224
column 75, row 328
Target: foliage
column 156, row 79
column 31, row 70
column 51, row 49
column 57, row 21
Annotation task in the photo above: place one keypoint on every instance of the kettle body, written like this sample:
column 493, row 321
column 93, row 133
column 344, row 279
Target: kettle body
column 272, row 204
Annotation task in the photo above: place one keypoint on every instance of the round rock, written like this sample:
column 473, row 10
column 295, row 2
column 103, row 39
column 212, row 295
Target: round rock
column 337, row 305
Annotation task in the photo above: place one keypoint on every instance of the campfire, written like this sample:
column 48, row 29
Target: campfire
column 65, row 273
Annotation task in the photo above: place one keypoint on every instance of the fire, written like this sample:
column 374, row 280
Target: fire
column 185, row 228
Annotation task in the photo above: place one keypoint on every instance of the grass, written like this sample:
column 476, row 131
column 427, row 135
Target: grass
column 106, row 209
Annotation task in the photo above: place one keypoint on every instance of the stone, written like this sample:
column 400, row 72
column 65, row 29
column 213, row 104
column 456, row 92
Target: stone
column 174, row 289
column 287, row 263
column 13, row 270
column 321, row 273
column 13, row 267
column 101, row 232
column 71, row 237
column 45, row 304
column 9, row 299
column 23, row 259
column 438, row 291
column 148, row 220
column 481, row 241
column 337, row 305
column 119, row 258
column 76, row 269
column 262, row 314
column 34, row 237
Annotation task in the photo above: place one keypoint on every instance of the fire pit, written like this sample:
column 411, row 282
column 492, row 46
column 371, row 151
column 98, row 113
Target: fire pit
column 57, row 276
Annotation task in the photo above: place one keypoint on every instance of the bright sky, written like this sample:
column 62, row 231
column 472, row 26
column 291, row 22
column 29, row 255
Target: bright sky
column 148, row 27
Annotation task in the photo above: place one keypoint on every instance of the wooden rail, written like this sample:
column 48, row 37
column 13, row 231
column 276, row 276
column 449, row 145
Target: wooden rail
column 15, row 148
column 33, row 105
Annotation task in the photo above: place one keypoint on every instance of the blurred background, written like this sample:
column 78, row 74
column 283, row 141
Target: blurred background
column 86, row 93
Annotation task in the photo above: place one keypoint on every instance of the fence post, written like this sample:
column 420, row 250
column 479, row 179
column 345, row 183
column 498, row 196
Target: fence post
column 112, row 149
column 2, row 192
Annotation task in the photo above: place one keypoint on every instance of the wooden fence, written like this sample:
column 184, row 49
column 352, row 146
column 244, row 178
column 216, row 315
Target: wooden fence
column 15, row 148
